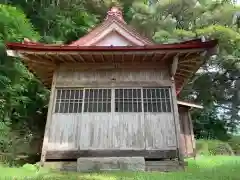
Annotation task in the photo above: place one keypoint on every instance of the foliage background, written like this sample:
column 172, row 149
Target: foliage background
column 23, row 99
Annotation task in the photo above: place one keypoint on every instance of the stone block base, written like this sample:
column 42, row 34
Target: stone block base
column 111, row 164
column 62, row 165
column 164, row 166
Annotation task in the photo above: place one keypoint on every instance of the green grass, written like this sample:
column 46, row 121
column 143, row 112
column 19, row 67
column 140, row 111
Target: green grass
column 203, row 168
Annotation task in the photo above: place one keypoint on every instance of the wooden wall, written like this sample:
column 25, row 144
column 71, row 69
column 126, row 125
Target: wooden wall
column 90, row 131
column 71, row 77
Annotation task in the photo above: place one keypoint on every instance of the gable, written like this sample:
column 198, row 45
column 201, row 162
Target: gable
column 114, row 39
column 112, row 31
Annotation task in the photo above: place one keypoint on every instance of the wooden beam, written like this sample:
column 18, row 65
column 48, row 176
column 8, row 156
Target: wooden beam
column 176, row 120
column 161, row 154
column 174, row 65
column 192, row 134
column 101, row 84
column 128, row 65
column 141, row 51
column 49, row 120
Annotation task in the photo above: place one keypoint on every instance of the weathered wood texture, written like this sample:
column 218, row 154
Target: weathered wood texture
column 48, row 126
column 72, row 77
column 176, row 120
column 187, row 136
column 159, row 131
column 153, row 154
column 112, row 131
column 106, row 131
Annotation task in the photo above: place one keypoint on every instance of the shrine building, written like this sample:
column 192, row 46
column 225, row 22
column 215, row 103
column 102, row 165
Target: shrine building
column 113, row 102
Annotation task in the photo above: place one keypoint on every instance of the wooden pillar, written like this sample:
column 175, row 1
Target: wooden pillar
column 176, row 120
column 49, row 120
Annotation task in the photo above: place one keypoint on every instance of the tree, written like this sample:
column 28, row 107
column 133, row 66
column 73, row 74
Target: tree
column 215, row 86
column 22, row 96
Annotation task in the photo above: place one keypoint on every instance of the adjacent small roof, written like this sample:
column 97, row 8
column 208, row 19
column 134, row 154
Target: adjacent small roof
column 42, row 59
column 188, row 104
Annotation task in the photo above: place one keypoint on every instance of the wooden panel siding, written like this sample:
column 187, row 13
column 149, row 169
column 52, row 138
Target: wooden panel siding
column 93, row 131
column 127, row 131
column 187, row 136
column 115, row 129
column 159, row 130
column 108, row 78
column 63, row 134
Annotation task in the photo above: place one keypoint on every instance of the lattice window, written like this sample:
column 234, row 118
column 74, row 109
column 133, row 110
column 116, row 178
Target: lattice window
column 128, row 100
column 156, row 100
column 69, row 101
column 97, row 100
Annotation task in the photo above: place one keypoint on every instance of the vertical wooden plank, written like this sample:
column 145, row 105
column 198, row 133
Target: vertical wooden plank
column 159, row 131
column 176, row 119
column 187, row 133
column 192, row 133
column 49, row 118
column 63, row 131
column 182, row 131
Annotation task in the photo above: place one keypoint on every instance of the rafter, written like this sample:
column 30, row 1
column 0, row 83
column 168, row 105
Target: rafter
column 195, row 60
column 180, row 74
column 187, row 65
column 81, row 58
column 185, row 70
column 93, row 60
column 32, row 59
column 103, row 59
column 145, row 57
column 71, row 58
column 153, row 56
column 50, row 57
column 122, row 57
column 133, row 57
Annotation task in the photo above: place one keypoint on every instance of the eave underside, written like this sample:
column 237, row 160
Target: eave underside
column 43, row 64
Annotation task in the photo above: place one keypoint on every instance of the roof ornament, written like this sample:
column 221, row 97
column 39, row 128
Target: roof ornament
column 115, row 13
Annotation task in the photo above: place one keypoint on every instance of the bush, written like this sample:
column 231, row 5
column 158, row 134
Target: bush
column 213, row 147
column 234, row 142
